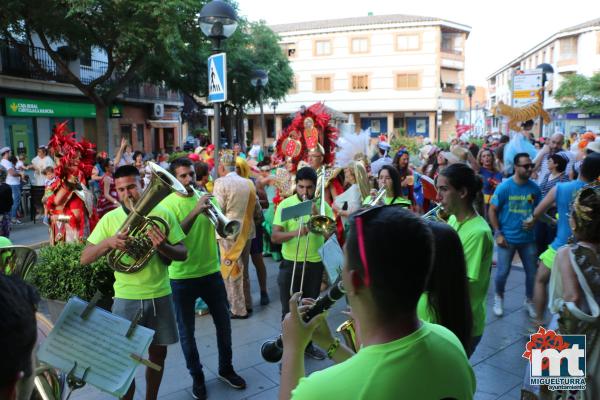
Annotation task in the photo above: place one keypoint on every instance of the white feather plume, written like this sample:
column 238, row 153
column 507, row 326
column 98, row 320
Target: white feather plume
column 349, row 144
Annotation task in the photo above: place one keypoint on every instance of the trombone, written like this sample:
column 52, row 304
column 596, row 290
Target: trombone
column 319, row 224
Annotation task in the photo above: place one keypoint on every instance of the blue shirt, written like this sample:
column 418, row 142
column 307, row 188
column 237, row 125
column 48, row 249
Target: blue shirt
column 515, row 203
column 490, row 179
column 565, row 195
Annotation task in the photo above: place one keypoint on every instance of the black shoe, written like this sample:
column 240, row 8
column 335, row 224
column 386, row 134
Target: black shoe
column 314, row 353
column 199, row 388
column 232, row 379
column 264, row 298
column 233, row 316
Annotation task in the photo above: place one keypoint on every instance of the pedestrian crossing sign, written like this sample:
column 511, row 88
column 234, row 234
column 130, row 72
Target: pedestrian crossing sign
column 217, row 78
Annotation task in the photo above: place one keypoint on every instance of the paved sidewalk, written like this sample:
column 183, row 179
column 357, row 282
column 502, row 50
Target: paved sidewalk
column 497, row 361
column 29, row 234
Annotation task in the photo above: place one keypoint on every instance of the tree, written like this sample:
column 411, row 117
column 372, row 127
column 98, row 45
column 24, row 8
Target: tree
column 578, row 92
column 141, row 38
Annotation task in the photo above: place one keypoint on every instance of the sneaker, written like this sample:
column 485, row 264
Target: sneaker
column 530, row 307
column 264, row 298
column 232, row 379
column 199, row 388
column 16, row 222
column 498, row 306
column 312, row 352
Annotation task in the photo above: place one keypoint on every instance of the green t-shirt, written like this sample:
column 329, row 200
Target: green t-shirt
column 388, row 200
column 152, row 281
column 430, row 363
column 288, row 249
column 478, row 244
column 423, row 311
column 201, row 240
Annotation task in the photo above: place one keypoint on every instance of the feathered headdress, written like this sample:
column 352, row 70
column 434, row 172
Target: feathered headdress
column 76, row 158
column 306, row 131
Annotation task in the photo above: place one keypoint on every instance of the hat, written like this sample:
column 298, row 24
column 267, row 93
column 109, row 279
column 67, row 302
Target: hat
column 458, row 154
column 5, row 242
column 194, row 157
column 4, row 150
column 227, row 159
column 425, row 151
column 593, row 146
column 384, row 146
column 43, row 147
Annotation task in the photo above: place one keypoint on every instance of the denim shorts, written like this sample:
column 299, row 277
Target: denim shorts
column 157, row 314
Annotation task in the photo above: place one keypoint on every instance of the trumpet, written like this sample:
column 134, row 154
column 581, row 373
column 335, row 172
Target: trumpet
column 223, row 225
column 377, row 199
column 348, row 332
column 437, row 213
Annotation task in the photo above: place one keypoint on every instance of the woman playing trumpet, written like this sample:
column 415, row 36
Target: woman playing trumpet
column 389, row 178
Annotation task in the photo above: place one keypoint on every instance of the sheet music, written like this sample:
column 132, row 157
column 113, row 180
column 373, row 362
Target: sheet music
column 97, row 342
column 332, row 256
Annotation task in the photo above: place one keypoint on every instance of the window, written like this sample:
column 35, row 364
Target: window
column 360, row 82
column 568, row 48
column 551, row 55
column 322, row 47
column 452, row 43
column 408, row 42
column 407, row 80
column 359, row 45
column 289, row 49
column 323, row 84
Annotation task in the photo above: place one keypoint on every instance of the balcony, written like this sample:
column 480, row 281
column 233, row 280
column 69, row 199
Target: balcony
column 451, row 90
column 13, row 62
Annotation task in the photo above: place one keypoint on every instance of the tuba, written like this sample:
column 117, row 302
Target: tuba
column 139, row 248
column 223, row 225
column 17, row 260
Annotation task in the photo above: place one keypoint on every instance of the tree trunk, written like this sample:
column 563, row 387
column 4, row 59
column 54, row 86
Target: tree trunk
column 102, row 134
column 240, row 126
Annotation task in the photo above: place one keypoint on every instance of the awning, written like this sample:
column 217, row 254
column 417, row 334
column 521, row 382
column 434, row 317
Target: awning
column 450, row 76
column 163, row 123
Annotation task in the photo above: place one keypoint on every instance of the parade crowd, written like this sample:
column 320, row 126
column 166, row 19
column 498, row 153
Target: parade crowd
column 419, row 231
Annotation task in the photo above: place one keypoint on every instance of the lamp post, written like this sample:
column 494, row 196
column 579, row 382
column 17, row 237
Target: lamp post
column 259, row 80
column 274, row 104
column 218, row 21
column 547, row 72
column 470, row 90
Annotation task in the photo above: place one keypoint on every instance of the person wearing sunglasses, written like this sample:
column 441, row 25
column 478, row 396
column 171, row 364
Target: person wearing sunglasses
column 512, row 204
column 397, row 349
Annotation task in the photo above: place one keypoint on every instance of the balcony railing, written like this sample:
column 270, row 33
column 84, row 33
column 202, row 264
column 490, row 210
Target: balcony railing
column 14, row 62
column 451, row 90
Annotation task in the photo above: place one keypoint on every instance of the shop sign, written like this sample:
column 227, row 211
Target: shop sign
column 41, row 108
column 115, row 111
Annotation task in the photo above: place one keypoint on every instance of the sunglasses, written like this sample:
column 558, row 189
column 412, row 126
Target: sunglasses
column 526, row 166
column 360, row 219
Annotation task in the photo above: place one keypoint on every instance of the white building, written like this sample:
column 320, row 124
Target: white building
column 575, row 50
column 390, row 72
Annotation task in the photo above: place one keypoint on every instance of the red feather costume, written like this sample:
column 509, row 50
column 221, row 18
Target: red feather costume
column 72, row 215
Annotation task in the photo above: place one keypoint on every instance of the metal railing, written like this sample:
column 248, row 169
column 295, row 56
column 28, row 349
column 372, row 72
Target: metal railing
column 451, row 90
column 14, row 62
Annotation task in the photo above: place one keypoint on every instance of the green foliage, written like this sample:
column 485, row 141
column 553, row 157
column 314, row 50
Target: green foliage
column 443, row 145
column 200, row 132
column 578, row 92
column 176, row 155
column 58, row 274
column 410, row 143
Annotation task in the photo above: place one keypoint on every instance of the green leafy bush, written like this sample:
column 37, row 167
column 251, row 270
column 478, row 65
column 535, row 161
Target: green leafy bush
column 58, row 275
column 443, row 145
column 411, row 144
column 176, row 155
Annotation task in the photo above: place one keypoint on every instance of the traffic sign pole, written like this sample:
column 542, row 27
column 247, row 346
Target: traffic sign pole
column 217, row 93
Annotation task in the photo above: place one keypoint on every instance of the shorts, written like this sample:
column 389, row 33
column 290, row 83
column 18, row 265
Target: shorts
column 547, row 257
column 157, row 314
column 256, row 246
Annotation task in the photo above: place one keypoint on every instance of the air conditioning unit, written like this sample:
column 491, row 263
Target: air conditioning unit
column 158, row 110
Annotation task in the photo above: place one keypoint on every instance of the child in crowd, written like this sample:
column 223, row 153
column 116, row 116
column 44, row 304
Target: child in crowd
column 50, row 178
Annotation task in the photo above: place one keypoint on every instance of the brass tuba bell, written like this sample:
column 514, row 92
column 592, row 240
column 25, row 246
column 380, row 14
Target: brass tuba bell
column 139, row 248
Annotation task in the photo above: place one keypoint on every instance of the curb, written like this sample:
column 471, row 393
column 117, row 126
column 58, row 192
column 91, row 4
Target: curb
column 38, row 245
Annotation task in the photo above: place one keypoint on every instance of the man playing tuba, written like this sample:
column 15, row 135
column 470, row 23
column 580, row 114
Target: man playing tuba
column 148, row 289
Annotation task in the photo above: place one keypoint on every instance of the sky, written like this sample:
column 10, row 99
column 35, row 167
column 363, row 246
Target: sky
column 500, row 30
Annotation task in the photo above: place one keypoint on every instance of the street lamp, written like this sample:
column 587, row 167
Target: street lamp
column 218, row 21
column 259, row 80
column 274, row 104
column 547, row 72
column 470, row 90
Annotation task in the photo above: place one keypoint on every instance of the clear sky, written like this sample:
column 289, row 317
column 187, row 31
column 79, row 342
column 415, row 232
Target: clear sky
column 500, row 30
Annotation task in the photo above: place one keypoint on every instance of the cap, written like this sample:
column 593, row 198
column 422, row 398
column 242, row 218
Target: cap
column 384, row 146
column 4, row 150
column 593, row 146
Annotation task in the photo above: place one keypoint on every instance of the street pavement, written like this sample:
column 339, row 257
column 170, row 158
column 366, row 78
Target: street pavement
column 497, row 362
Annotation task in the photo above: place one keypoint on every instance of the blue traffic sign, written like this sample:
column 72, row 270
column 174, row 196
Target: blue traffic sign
column 217, row 78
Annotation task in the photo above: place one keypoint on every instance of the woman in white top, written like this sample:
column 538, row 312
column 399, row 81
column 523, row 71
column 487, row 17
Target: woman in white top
column 40, row 163
column 355, row 175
